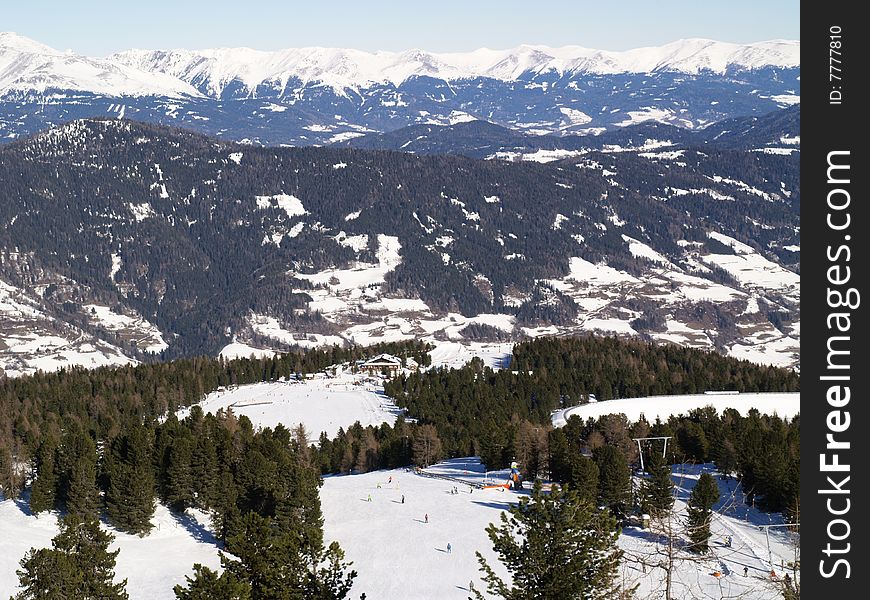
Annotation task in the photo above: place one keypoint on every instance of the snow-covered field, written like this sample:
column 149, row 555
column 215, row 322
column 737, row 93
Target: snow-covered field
column 782, row 404
column 152, row 565
column 321, row 404
column 399, row 555
column 396, row 553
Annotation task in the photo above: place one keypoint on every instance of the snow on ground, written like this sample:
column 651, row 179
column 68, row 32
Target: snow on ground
column 396, row 553
column 321, row 404
column 270, row 327
column 783, row 404
column 767, row 345
column 28, row 341
column 750, row 268
column 454, row 355
column 152, row 564
column 29, row 352
column 541, row 156
column 239, row 350
column 572, row 116
column 380, row 535
column 648, row 113
column 585, row 271
column 15, row 303
column 365, row 274
column 289, row 204
column 639, row 249
column 678, row 333
column 697, row 288
column 613, row 325
column 695, row 578
column 146, row 335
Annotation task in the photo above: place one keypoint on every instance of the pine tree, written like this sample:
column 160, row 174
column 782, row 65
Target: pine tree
column 130, row 489
column 657, row 492
column 701, row 501
column 204, row 471
column 556, row 546
column 82, row 494
column 278, row 567
column 43, row 490
column 79, row 565
column 224, row 510
column 614, row 479
column 207, row 585
column 179, row 479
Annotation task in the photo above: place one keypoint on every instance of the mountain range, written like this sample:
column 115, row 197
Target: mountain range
column 123, row 241
column 319, row 96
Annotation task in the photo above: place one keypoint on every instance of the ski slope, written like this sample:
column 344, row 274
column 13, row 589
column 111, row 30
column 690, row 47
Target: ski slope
column 786, row 405
column 321, row 404
column 398, row 555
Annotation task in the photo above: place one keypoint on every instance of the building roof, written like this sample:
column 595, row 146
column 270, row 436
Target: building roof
column 383, row 359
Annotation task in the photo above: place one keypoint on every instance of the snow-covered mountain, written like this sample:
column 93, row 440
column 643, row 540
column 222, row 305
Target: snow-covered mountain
column 136, row 239
column 28, row 67
column 318, row 96
column 213, row 71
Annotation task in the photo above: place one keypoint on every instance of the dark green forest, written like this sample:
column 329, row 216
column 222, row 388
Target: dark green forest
column 196, row 261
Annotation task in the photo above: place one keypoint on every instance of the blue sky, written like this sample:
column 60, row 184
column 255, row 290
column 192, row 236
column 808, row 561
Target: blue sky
column 99, row 27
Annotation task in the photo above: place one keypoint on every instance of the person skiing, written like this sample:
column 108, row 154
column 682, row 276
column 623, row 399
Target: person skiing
column 369, row 499
column 745, row 571
column 728, row 541
column 449, row 548
column 390, row 480
column 403, row 498
column 426, row 518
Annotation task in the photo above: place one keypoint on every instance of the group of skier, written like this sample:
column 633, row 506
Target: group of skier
column 454, row 490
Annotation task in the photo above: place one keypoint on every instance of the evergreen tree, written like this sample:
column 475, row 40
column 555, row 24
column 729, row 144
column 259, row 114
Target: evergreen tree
column 82, row 494
column 700, row 505
column 42, row 492
column 224, row 510
column 78, row 565
column 556, row 546
column 204, row 471
column 614, row 479
column 277, row 567
column 130, row 489
column 657, row 492
column 207, row 585
column 179, row 479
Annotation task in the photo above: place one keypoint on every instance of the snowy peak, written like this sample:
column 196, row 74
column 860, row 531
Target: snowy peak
column 26, row 66
column 12, row 42
column 213, row 70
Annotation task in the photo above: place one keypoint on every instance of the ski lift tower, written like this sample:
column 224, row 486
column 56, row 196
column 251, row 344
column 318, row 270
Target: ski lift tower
column 767, row 529
column 645, row 439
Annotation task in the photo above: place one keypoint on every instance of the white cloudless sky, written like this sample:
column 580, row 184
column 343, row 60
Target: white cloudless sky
column 100, row 27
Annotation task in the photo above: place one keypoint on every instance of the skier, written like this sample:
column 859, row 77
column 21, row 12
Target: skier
column 728, row 541
column 369, row 499
column 745, row 571
column 403, row 498
column 426, row 518
column 449, row 548
column 390, row 480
